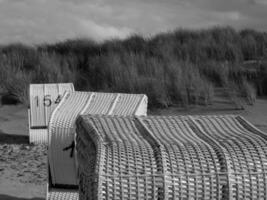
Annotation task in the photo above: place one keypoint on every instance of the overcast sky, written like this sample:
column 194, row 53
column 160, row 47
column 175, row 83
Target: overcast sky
column 38, row 21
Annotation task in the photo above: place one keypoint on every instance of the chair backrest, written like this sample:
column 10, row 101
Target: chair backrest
column 43, row 100
column 170, row 157
column 62, row 127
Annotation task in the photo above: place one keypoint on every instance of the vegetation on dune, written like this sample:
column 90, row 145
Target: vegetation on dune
column 181, row 67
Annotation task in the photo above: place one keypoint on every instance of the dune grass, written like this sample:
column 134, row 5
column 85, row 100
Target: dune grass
column 176, row 68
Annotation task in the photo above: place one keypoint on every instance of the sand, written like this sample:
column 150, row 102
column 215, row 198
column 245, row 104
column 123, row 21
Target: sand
column 22, row 166
column 256, row 114
column 23, row 170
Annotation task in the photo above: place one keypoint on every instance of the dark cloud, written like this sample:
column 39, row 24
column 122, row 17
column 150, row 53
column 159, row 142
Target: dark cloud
column 51, row 20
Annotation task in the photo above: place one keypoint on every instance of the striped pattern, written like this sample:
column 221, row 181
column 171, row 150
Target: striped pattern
column 38, row 136
column 41, row 95
column 43, row 100
column 62, row 164
column 158, row 157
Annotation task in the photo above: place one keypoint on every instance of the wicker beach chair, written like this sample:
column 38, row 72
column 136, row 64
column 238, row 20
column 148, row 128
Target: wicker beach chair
column 43, row 100
column 61, row 154
column 246, row 150
column 170, row 158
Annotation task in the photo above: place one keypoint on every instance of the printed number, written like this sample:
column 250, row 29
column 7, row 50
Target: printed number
column 58, row 99
column 47, row 102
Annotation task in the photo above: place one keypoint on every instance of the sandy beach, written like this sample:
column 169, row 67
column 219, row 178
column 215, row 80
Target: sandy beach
column 23, row 167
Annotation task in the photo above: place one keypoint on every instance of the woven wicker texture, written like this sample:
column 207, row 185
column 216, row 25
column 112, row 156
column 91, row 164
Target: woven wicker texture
column 61, row 153
column 62, row 194
column 187, row 157
column 246, row 151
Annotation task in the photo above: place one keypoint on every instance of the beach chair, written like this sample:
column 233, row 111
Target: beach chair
column 170, row 157
column 61, row 133
column 43, row 100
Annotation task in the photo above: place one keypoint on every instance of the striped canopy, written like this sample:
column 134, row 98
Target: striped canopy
column 61, row 155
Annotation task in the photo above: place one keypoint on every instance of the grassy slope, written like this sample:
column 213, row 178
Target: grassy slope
column 183, row 67
column 179, row 68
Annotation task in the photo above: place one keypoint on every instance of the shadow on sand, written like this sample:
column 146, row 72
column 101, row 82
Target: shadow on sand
column 13, row 139
column 7, row 197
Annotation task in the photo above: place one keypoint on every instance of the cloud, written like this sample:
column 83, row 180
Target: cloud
column 37, row 21
column 226, row 16
column 44, row 21
column 261, row 2
column 101, row 32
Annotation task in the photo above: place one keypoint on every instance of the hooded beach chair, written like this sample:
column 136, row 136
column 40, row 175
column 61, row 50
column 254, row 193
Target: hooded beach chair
column 61, row 143
column 170, row 157
column 43, row 100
